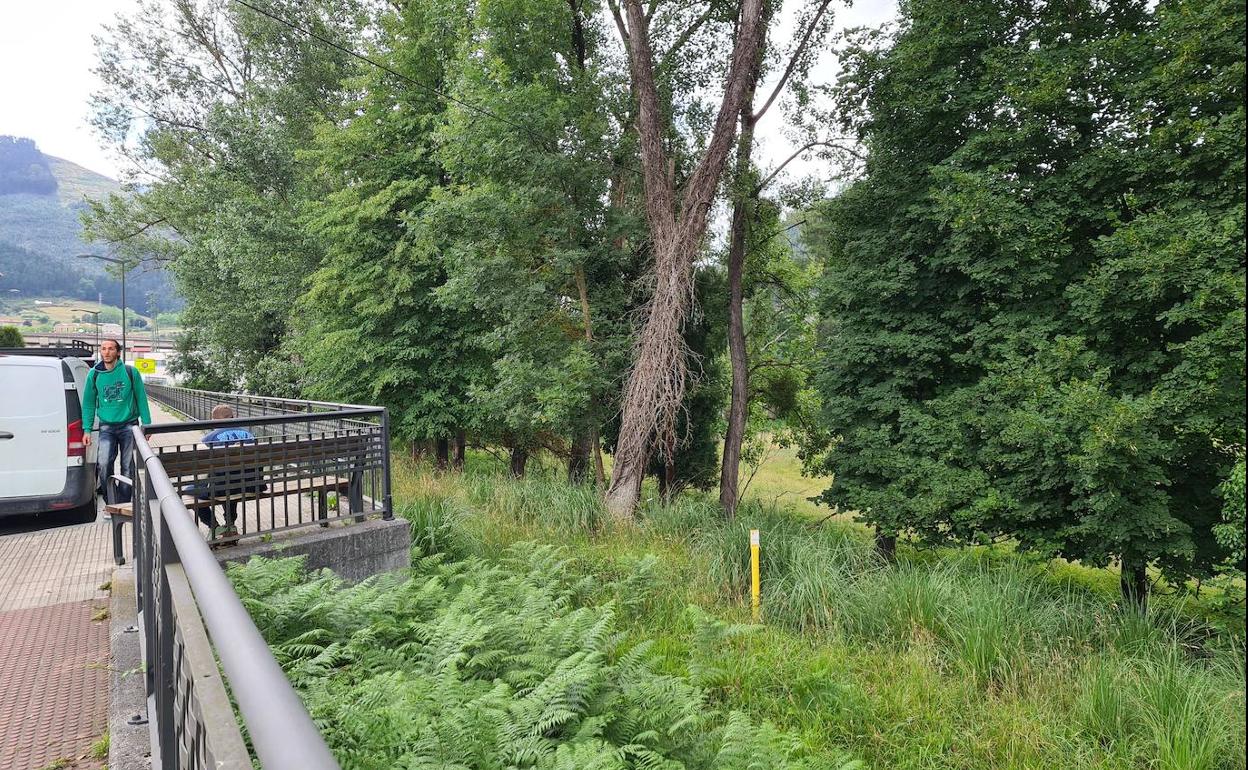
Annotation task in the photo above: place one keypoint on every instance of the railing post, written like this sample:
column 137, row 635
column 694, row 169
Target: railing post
column 166, row 676
column 385, row 465
column 144, row 578
column 138, row 502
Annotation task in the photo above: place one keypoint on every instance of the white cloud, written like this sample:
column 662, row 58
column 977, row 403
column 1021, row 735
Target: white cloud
column 773, row 146
column 46, row 56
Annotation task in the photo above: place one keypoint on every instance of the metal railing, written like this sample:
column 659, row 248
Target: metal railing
column 181, row 592
column 198, row 404
column 306, row 463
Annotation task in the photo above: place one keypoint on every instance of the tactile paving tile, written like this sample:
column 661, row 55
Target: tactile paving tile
column 53, row 683
column 54, row 566
column 53, row 657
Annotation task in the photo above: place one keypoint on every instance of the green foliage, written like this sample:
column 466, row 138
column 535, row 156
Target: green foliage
column 371, row 326
column 969, row 658
column 534, row 248
column 1231, row 532
column 550, row 503
column 10, row 337
column 99, row 749
column 1032, row 311
column 212, row 100
column 168, row 320
column 470, row 664
column 1153, row 708
column 198, row 368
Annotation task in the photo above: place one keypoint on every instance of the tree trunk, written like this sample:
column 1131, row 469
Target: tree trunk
column 1133, row 582
column 586, row 446
column 443, row 456
column 418, row 450
column 519, row 459
column 656, row 383
column 886, row 546
column 461, row 449
column 744, row 195
column 580, row 465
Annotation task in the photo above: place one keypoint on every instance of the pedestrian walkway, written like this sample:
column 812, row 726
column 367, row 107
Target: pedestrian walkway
column 54, row 654
column 54, row 630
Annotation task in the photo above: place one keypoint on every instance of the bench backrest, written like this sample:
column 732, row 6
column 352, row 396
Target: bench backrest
column 277, row 459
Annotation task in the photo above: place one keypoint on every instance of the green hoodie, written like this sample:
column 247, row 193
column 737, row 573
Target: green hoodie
column 108, row 394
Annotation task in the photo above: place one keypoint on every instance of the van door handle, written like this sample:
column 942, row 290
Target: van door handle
column 4, row 434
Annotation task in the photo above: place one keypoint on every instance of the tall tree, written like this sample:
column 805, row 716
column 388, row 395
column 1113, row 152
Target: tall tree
column 372, row 326
column 745, row 189
column 527, row 147
column 656, row 383
column 209, row 103
column 1033, row 311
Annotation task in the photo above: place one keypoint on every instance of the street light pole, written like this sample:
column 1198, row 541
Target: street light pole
column 124, row 270
column 96, row 317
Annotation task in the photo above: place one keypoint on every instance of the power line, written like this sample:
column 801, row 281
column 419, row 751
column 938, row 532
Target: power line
column 538, row 138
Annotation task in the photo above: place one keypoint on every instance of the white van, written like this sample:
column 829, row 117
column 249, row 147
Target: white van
column 44, row 465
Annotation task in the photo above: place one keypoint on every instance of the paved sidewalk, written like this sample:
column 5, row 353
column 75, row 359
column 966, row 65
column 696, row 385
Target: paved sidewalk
column 54, row 654
column 54, row 648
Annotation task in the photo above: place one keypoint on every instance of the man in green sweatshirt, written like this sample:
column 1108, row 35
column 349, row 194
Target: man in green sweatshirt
column 114, row 392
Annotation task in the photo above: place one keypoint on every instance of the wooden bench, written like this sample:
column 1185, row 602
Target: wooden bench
column 288, row 467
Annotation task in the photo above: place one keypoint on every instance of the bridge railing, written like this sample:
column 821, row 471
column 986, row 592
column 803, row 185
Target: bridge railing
column 306, row 463
column 187, row 612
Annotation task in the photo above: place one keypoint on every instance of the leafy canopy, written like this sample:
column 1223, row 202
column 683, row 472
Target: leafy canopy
column 1033, row 305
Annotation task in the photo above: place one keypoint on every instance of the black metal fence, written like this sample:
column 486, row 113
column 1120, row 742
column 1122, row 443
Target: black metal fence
column 274, row 464
column 184, row 600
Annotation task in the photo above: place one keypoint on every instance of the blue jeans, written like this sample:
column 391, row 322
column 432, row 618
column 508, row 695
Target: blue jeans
column 207, row 515
column 115, row 440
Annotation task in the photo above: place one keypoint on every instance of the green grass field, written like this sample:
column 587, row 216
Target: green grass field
column 973, row 659
column 59, row 310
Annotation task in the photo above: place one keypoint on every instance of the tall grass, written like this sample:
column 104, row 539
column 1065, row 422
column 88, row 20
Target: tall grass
column 979, row 658
column 1165, row 710
column 544, row 502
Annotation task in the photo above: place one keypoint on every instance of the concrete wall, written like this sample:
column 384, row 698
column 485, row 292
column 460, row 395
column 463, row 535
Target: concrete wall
column 353, row 551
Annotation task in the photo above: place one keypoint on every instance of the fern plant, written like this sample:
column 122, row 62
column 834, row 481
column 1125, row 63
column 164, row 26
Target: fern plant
column 495, row 665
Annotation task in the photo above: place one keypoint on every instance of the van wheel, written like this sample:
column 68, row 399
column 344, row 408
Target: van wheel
column 83, row 514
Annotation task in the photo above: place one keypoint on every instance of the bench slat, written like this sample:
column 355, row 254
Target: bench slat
column 259, row 456
column 278, row 489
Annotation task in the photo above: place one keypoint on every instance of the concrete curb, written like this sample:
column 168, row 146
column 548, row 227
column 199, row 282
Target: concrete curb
column 129, row 745
column 354, row 551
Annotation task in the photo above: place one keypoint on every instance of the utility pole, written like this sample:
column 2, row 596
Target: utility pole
column 152, row 311
column 125, row 268
column 96, row 314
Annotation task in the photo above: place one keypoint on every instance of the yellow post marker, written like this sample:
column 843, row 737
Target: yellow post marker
column 754, row 572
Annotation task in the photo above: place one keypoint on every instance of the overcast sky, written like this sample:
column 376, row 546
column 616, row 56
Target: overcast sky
column 46, row 56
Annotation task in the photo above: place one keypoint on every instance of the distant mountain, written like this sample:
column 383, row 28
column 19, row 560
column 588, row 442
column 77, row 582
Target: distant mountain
column 41, row 199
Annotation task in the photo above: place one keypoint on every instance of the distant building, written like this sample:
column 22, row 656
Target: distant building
column 10, row 322
column 68, row 328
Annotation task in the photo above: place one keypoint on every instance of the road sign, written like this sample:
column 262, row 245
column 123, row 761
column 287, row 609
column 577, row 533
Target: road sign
column 145, row 365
